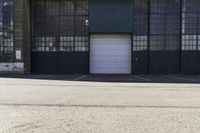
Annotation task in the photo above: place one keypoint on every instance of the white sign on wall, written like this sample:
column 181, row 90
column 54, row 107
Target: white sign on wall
column 18, row 54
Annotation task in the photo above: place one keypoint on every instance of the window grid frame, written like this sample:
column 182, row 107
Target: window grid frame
column 75, row 14
column 158, row 16
column 140, row 25
column 190, row 30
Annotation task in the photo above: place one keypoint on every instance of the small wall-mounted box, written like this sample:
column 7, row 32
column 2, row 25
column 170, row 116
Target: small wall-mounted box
column 18, row 54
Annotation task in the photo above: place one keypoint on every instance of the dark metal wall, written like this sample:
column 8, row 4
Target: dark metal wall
column 155, row 25
column 165, row 34
column 140, row 55
column 60, row 36
column 156, row 36
column 60, row 63
column 164, row 37
column 190, row 56
column 111, row 16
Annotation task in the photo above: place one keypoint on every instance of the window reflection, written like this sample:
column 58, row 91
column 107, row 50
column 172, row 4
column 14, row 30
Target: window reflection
column 6, row 31
column 60, row 26
column 190, row 25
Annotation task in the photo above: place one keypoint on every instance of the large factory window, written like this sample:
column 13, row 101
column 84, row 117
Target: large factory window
column 140, row 25
column 164, row 25
column 60, row 26
column 6, row 31
column 191, row 25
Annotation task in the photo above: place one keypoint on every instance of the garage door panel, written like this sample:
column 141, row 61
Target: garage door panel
column 114, row 48
column 113, row 60
column 101, row 61
column 111, row 71
column 110, row 54
column 104, row 63
column 110, row 36
column 110, row 67
column 111, row 43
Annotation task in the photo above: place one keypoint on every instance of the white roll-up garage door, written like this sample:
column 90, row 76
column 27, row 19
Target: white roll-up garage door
column 110, row 54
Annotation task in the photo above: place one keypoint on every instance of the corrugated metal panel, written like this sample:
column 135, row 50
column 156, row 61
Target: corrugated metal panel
column 110, row 54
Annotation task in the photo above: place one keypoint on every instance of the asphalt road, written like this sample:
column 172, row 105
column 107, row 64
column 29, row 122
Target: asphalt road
column 50, row 105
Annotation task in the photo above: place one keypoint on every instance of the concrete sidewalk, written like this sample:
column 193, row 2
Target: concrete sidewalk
column 79, row 105
column 114, row 78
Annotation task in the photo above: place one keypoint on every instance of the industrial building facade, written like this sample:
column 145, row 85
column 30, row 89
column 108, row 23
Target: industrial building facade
column 100, row 36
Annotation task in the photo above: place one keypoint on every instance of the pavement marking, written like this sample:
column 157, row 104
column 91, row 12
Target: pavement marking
column 98, row 106
column 82, row 77
column 146, row 79
column 180, row 78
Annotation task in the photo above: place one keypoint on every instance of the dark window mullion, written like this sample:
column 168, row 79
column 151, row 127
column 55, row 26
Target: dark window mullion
column 165, row 34
column 74, row 26
column 59, row 29
column 45, row 14
column 3, row 37
column 197, row 28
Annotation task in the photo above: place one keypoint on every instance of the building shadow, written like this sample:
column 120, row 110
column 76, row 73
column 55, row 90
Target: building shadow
column 189, row 79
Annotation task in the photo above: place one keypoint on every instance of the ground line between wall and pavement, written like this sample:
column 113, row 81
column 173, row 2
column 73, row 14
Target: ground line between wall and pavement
column 82, row 77
column 146, row 79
